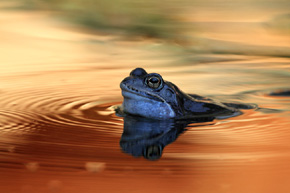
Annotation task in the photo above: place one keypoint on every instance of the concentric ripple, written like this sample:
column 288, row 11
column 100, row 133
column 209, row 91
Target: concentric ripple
column 55, row 108
column 81, row 129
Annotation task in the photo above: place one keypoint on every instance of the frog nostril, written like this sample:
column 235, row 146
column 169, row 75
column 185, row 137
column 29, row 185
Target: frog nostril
column 138, row 72
column 126, row 80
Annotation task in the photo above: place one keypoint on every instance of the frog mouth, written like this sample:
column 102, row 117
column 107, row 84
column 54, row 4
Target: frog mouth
column 143, row 93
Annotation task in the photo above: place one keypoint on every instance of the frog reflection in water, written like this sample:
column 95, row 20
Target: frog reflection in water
column 147, row 137
column 148, row 95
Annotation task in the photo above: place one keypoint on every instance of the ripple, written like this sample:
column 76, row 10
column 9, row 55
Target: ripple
column 25, row 111
column 282, row 93
column 14, row 121
column 30, row 136
column 82, row 129
column 60, row 131
column 252, row 129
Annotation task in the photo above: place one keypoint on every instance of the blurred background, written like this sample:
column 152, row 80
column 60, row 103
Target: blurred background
column 61, row 63
column 183, row 28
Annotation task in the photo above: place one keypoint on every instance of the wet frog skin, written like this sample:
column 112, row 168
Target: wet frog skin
column 148, row 95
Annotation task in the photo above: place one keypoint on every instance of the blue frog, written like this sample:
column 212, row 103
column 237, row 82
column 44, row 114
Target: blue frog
column 149, row 96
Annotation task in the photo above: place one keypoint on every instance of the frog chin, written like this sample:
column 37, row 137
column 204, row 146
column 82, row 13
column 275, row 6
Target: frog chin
column 146, row 107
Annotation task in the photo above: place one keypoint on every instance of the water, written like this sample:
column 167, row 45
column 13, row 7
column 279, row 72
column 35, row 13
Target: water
column 59, row 132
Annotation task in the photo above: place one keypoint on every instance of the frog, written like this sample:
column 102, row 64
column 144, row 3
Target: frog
column 149, row 95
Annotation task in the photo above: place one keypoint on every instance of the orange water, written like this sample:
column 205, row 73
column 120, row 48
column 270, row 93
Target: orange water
column 59, row 133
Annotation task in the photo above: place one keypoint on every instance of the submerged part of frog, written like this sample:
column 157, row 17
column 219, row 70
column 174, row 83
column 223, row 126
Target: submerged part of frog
column 148, row 95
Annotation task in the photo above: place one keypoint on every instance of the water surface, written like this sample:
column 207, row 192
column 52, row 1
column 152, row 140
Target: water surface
column 59, row 132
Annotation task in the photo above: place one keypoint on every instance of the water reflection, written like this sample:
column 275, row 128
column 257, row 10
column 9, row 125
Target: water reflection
column 147, row 138
column 58, row 82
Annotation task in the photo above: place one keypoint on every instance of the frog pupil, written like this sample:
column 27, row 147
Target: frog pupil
column 153, row 82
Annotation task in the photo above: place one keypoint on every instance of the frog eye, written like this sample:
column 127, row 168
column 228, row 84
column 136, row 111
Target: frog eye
column 153, row 82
